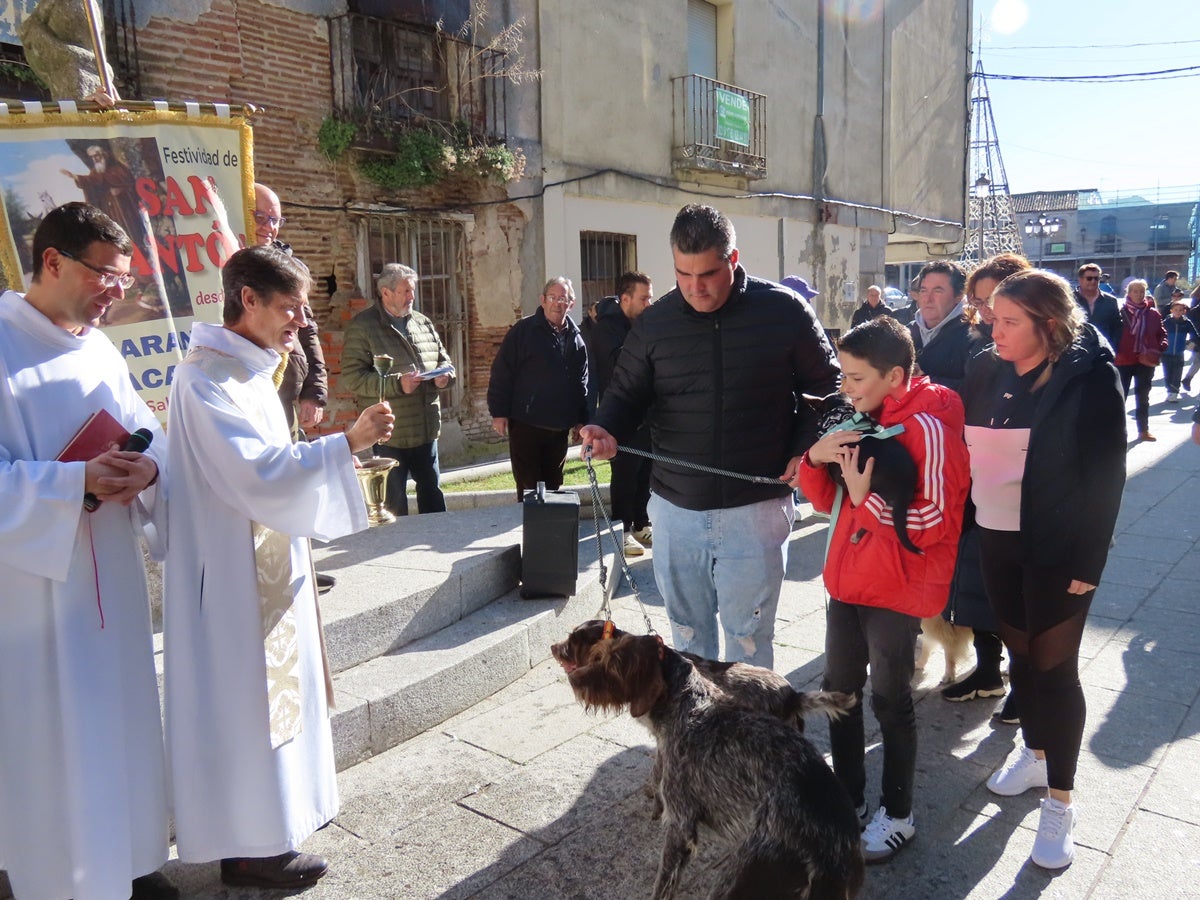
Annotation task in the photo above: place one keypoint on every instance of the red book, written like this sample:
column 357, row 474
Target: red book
column 94, row 437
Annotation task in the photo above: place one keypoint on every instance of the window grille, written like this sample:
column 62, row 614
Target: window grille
column 604, row 257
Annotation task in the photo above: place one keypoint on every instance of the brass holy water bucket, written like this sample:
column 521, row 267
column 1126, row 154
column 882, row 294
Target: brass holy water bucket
column 372, row 480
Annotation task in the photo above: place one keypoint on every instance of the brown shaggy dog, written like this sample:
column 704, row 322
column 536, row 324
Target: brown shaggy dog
column 744, row 685
column 753, row 779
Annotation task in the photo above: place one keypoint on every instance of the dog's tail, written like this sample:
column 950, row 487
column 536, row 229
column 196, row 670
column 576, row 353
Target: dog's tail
column 830, row 703
column 900, row 521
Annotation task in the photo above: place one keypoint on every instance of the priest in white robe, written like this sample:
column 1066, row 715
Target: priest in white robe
column 246, row 677
column 83, row 808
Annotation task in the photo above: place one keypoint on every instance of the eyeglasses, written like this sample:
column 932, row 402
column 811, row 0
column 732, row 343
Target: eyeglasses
column 264, row 219
column 1090, row 278
column 108, row 280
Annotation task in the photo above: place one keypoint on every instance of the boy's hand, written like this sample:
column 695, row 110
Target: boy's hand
column 858, row 484
column 828, row 448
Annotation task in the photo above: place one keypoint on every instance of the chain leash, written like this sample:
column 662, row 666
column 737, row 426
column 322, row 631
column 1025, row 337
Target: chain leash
column 599, row 512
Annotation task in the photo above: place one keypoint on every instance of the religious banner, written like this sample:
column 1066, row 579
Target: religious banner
column 179, row 180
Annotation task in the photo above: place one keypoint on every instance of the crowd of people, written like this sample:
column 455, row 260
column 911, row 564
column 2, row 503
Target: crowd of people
column 1007, row 388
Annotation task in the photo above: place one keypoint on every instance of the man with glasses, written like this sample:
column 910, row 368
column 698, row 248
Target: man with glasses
column 83, row 808
column 538, row 388
column 1102, row 309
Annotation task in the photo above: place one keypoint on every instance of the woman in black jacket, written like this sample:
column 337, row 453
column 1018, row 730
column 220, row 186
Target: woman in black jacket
column 1045, row 425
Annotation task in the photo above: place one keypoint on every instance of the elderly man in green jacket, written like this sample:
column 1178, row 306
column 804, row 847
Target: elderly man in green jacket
column 420, row 368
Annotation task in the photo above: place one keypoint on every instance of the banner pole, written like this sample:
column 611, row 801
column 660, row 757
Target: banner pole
column 94, row 23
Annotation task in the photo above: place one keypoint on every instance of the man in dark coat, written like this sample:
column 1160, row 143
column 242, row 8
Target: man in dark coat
column 1102, row 309
column 717, row 367
column 871, row 308
column 630, row 484
column 538, row 388
column 939, row 330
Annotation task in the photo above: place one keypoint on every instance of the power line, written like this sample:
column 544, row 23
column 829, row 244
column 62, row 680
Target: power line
column 1159, row 75
column 1090, row 46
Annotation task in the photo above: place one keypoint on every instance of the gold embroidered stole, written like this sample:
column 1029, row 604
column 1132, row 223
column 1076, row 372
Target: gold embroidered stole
column 273, row 565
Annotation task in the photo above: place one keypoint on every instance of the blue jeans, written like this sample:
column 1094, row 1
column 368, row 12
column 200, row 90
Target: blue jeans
column 722, row 562
column 422, row 463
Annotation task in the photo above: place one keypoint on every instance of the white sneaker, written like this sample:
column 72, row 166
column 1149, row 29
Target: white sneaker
column 1054, row 846
column 885, row 835
column 1172, row 398
column 645, row 536
column 1020, row 772
column 632, row 547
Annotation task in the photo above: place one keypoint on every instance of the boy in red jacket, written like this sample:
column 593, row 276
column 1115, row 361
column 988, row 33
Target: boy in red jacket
column 879, row 591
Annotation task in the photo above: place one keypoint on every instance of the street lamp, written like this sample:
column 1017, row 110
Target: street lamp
column 1042, row 226
column 983, row 187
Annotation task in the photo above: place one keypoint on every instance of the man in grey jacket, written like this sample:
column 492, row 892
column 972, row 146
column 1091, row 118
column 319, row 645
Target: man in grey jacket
column 393, row 328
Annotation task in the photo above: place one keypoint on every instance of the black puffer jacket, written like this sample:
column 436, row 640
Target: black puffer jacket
column 944, row 359
column 1075, row 466
column 604, row 341
column 722, row 389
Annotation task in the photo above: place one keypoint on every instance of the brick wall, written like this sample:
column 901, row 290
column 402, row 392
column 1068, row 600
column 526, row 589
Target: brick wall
column 279, row 59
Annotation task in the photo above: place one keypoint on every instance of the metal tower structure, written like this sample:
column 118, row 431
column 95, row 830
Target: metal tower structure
column 991, row 225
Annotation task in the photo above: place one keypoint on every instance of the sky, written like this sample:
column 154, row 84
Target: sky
column 1120, row 138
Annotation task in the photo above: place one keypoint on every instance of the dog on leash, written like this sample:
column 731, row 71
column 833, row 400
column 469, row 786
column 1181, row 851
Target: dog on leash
column 740, row 684
column 755, row 780
column 894, row 477
column 744, row 685
column 954, row 641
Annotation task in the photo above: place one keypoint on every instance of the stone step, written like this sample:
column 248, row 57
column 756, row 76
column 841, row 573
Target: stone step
column 426, row 620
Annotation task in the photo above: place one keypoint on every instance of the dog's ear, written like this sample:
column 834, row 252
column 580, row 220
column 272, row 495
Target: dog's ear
column 599, row 681
column 646, row 672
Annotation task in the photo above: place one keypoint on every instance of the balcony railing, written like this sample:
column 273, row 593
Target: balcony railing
column 391, row 74
column 718, row 128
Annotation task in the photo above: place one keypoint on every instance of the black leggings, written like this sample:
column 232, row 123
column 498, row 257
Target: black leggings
column 1042, row 626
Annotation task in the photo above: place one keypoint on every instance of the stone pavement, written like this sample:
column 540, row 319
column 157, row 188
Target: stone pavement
column 524, row 796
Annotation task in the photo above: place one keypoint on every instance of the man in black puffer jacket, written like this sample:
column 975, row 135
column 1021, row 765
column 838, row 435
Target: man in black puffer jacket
column 717, row 368
column 629, row 488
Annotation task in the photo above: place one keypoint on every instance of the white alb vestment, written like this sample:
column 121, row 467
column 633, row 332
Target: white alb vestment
column 235, row 465
column 83, row 805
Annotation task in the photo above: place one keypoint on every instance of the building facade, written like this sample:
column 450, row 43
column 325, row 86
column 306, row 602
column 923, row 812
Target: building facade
column 1133, row 235
column 834, row 140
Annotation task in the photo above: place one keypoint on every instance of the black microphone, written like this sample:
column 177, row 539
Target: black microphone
column 136, row 443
